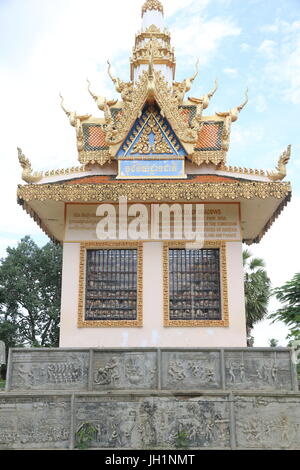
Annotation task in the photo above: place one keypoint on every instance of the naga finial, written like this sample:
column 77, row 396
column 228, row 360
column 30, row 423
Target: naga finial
column 100, row 100
column 125, row 89
column 205, row 99
column 27, row 174
column 284, row 158
column 75, row 119
column 234, row 112
column 181, row 88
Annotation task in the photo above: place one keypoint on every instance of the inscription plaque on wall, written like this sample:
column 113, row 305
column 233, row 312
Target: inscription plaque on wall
column 157, row 221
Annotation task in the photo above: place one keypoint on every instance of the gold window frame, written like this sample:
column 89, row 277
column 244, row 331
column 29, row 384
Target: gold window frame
column 223, row 287
column 82, row 322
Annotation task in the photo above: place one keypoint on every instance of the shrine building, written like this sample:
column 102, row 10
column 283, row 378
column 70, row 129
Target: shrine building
column 153, row 219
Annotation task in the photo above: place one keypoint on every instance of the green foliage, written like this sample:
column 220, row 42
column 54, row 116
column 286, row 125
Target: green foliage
column 30, row 279
column 289, row 295
column 257, row 291
column 85, row 435
column 181, row 441
column 273, row 343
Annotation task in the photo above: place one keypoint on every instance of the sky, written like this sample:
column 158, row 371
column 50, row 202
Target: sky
column 48, row 47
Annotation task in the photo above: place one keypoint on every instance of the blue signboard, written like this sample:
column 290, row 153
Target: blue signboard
column 151, row 169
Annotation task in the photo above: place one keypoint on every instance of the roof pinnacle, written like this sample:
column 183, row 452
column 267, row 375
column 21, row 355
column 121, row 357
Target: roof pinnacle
column 152, row 5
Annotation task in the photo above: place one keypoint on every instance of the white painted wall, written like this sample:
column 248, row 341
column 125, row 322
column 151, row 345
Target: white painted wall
column 151, row 17
column 153, row 333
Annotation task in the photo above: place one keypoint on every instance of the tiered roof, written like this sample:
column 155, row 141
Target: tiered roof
column 152, row 100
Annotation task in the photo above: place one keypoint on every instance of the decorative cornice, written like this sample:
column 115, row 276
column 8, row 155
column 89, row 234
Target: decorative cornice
column 100, row 156
column 140, row 191
column 152, row 5
column 214, row 157
column 154, row 192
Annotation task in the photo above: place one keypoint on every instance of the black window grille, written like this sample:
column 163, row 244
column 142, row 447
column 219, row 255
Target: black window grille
column 111, row 285
column 194, row 284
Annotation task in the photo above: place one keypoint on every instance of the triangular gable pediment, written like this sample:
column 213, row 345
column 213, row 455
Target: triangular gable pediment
column 151, row 149
column 151, row 137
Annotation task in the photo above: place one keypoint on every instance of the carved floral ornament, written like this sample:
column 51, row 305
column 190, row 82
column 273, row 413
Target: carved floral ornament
column 141, row 191
column 152, row 5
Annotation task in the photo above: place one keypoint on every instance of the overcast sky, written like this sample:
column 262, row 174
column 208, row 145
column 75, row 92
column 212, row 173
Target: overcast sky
column 48, row 46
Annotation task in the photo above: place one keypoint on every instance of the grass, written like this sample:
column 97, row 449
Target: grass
column 2, row 385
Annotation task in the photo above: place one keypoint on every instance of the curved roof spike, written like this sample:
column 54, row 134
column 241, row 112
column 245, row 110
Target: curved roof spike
column 213, row 91
column 75, row 119
column 90, row 91
column 100, row 100
column 205, row 99
column 109, row 72
column 281, row 172
column 245, row 102
column 181, row 88
column 234, row 112
column 62, row 105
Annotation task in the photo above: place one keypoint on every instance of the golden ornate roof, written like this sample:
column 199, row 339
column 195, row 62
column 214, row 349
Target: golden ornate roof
column 204, row 139
column 152, row 5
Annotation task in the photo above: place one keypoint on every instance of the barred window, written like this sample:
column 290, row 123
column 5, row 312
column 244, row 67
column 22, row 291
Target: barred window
column 194, row 284
column 111, row 284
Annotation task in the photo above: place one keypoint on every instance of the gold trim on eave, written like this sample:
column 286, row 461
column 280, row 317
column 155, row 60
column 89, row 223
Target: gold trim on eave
column 224, row 288
column 82, row 323
column 152, row 191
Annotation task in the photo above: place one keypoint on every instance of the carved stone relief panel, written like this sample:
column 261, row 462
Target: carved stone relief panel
column 49, row 370
column 268, row 422
column 155, row 422
column 35, row 422
column 258, row 370
column 125, row 370
column 191, row 370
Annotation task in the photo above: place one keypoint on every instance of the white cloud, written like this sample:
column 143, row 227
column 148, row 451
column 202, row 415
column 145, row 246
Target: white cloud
column 268, row 48
column 230, row 71
column 245, row 136
column 270, row 28
column 201, row 38
column 260, row 103
column 282, row 66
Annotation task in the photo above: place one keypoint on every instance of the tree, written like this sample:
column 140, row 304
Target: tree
column 289, row 295
column 30, row 279
column 273, row 343
column 257, row 291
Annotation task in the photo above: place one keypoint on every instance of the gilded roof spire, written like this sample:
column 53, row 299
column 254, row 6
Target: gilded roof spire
column 152, row 5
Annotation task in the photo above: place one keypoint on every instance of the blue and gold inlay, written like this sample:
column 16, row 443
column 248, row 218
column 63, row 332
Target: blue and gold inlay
column 152, row 139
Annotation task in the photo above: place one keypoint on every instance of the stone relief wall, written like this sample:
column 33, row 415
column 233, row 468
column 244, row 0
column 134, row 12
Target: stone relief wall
column 48, row 370
column 146, row 422
column 147, row 398
column 35, row 422
column 144, row 369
